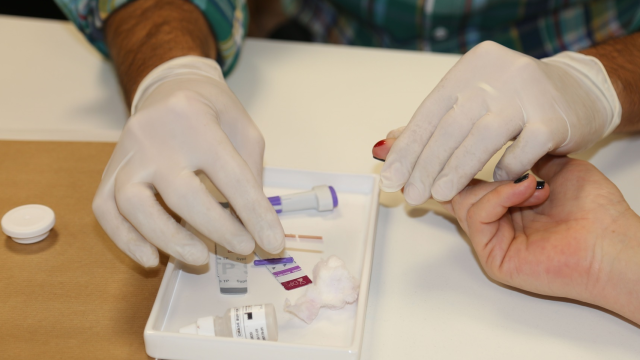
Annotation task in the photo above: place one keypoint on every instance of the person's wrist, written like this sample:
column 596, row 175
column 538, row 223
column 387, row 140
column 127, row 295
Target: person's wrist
column 617, row 282
column 593, row 76
column 192, row 68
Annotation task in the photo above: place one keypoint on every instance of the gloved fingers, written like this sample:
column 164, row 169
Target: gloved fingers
column 234, row 178
column 185, row 194
column 487, row 136
column 450, row 133
column 140, row 207
column 532, row 144
column 395, row 133
column 409, row 145
column 252, row 151
column 246, row 138
column 121, row 232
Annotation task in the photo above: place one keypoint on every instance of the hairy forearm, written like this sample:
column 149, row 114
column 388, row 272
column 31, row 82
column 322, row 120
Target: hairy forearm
column 266, row 16
column 620, row 59
column 146, row 33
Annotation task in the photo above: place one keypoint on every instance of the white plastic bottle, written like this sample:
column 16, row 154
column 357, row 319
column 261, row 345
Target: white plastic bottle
column 254, row 322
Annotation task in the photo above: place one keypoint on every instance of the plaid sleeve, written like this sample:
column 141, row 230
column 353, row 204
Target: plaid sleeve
column 229, row 20
column 539, row 28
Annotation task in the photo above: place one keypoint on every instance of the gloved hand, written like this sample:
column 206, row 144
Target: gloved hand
column 184, row 119
column 556, row 105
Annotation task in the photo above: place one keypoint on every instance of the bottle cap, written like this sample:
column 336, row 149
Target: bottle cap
column 28, row 224
column 327, row 197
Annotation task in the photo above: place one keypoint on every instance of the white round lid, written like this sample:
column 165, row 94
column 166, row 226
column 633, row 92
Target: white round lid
column 28, row 221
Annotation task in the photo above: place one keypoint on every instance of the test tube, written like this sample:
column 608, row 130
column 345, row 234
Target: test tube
column 321, row 198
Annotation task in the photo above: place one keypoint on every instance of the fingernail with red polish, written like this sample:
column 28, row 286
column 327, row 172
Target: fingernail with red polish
column 540, row 185
column 380, row 143
column 521, row 178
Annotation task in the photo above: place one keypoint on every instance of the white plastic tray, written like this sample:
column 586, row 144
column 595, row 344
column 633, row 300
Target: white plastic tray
column 187, row 293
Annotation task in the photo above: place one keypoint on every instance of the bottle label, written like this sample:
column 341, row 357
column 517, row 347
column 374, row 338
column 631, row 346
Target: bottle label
column 249, row 322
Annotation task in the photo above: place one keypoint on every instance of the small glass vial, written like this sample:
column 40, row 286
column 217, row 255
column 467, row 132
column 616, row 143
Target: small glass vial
column 253, row 322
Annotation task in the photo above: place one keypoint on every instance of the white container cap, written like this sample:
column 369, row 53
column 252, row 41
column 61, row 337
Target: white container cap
column 28, row 224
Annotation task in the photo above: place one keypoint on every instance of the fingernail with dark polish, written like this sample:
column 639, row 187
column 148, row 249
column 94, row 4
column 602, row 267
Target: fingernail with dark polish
column 540, row 185
column 521, row 178
column 380, row 143
column 378, row 159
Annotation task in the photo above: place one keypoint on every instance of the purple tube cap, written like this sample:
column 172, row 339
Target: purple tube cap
column 334, row 196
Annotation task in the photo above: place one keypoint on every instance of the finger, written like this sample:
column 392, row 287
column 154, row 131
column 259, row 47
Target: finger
column 539, row 196
column 452, row 130
column 395, row 133
column 482, row 217
column 246, row 139
column 406, row 150
column 121, row 232
column 138, row 205
column 486, row 137
column 233, row 177
column 381, row 149
column 188, row 197
column 460, row 204
column 532, row 144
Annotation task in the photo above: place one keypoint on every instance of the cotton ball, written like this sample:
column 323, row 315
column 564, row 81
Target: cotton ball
column 333, row 287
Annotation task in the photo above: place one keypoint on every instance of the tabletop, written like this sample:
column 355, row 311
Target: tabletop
column 322, row 107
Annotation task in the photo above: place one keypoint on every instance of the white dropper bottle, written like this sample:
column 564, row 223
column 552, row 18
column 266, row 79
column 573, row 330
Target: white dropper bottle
column 254, row 322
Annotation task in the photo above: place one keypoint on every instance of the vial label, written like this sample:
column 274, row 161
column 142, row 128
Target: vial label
column 249, row 322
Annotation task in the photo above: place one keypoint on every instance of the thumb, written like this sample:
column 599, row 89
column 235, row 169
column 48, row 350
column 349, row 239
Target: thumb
column 482, row 218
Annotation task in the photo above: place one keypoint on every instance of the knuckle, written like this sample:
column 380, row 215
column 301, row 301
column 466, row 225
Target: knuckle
column 125, row 196
column 99, row 206
column 525, row 63
column 486, row 47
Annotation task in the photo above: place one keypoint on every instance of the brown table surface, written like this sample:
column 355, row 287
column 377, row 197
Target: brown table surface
column 74, row 295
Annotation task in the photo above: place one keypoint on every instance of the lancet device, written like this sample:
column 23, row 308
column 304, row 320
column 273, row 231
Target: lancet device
column 321, row 198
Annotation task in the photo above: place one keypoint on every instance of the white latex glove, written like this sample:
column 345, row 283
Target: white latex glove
column 557, row 105
column 185, row 118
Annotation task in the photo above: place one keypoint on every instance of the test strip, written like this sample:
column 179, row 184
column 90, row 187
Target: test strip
column 304, row 242
column 287, row 260
column 290, row 275
column 232, row 271
column 304, row 236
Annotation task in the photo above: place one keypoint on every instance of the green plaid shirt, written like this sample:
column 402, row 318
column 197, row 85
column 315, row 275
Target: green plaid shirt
column 539, row 28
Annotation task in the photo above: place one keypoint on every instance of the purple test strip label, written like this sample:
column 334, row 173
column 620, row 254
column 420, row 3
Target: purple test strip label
column 290, row 276
column 286, row 271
